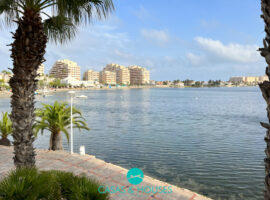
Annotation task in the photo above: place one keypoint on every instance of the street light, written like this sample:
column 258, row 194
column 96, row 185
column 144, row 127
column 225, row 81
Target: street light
column 72, row 94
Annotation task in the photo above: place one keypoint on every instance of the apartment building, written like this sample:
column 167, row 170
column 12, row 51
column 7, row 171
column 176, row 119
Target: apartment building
column 107, row 77
column 248, row 79
column 5, row 77
column 91, row 75
column 139, row 75
column 237, row 80
column 251, row 79
column 263, row 78
column 66, row 68
column 122, row 73
column 40, row 70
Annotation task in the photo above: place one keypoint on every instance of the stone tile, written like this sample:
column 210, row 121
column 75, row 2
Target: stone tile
column 105, row 173
column 130, row 197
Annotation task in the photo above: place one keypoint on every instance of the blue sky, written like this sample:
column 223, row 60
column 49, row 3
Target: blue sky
column 174, row 39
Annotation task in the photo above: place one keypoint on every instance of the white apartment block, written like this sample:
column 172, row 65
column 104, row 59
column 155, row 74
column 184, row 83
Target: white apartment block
column 122, row 73
column 139, row 75
column 91, row 75
column 5, row 77
column 66, row 68
column 107, row 77
column 263, row 78
column 40, row 70
column 237, row 80
column 248, row 79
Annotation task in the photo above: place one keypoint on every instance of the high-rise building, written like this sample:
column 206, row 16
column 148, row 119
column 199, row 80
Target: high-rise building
column 251, row 79
column 66, row 68
column 40, row 70
column 91, row 75
column 139, row 75
column 237, row 80
column 248, row 79
column 122, row 73
column 263, row 78
column 107, row 77
column 5, row 77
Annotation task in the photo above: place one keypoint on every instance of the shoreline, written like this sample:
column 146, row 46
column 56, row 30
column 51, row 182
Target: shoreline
column 106, row 173
column 7, row 94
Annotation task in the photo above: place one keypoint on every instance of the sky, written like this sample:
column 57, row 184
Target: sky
column 174, row 39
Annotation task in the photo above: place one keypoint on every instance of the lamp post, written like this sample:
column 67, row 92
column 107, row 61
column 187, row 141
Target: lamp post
column 72, row 94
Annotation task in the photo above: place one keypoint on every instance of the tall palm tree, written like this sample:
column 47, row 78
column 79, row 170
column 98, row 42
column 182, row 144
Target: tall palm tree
column 265, row 88
column 56, row 119
column 5, row 129
column 35, row 25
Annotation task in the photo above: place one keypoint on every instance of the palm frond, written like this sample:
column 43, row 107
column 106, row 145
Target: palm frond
column 5, row 125
column 57, row 118
column 60, row 29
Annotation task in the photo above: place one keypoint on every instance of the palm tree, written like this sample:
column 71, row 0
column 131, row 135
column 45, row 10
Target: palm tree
column 35, row 25
column 5, row 129
column 265, row 88
column 56, row 119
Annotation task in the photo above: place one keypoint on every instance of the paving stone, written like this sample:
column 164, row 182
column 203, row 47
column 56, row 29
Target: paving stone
column 106, row 174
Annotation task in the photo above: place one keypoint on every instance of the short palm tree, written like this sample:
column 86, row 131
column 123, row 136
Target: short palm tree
column 56, row 119
column 5, row 129
column 35, row 25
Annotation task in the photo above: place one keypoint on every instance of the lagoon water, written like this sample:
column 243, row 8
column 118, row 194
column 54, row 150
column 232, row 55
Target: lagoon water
column 207, row 140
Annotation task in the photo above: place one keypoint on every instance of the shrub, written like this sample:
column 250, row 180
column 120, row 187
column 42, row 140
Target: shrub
column 31, row 184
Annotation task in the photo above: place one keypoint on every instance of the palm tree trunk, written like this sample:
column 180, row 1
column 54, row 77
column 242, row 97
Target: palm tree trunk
column 56, row 141
column 28, row 51
column 265, row 88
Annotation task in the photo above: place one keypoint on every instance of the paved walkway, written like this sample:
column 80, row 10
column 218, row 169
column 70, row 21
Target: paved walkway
column 106, row 173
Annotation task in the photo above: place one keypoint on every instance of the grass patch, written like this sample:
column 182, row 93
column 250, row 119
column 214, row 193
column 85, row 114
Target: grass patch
column 32, row 184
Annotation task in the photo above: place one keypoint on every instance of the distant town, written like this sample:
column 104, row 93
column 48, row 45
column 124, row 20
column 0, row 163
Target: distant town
column 67, row 74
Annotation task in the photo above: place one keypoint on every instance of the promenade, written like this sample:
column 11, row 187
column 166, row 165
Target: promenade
column 106, row 173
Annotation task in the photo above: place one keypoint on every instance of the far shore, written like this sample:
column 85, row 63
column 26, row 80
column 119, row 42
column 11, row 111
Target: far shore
column 7, row 94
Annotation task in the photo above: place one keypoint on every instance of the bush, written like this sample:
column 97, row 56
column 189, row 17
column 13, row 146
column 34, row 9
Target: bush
column 31, row 184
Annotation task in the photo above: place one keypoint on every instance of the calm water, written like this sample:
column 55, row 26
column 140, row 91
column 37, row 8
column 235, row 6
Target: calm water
column 208, row 140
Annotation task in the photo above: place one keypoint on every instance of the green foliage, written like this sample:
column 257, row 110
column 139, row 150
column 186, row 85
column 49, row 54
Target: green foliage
column 41, row 83
column 56, row 118
column 5, row 125
column 78, row 187
column 57, row 83
column 188, row 82
column 199, row 83
column 176, row 81
column 165, row 82
column 3, row 85
column 6, row 72
column 212, row 83
column 29, row 183
column 67, row 16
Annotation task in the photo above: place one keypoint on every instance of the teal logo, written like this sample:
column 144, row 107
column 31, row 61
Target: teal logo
column 135, row 176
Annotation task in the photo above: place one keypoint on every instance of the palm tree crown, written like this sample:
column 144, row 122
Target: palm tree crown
column 56, row 119
column 60, row 24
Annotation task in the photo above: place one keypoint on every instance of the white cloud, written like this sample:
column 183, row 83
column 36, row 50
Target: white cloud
column 141, row 13
column 230, row 52
column 195, row 59
column 159, row 37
